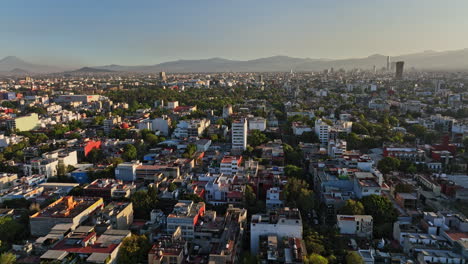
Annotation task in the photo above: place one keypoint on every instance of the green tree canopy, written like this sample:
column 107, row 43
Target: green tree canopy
column 256, row 138
column 315, row 259
column 354, row 258
column 352, row 207
column 388, row 164
column 129, row 153
column 134, row 249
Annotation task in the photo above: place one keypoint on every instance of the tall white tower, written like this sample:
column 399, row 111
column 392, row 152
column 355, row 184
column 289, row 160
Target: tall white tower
column 239, row 135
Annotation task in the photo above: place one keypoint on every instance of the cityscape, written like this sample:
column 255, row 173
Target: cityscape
column 227, row 153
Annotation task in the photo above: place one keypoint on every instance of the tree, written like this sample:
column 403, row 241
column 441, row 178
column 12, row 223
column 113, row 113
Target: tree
column 129, row 153
column 359, row 129
column 256, row 138
column 151, row 139
column 293, row 171
column 191, row 149
column 383, row 213
column 134, row 249
column 11, row 231
column 94, row 156
column 298, row 195
column 354, row 258
column 315, row 259
column 388, row 164
column 144, row 201
column 418, row 130
column 7, row 258
column 352, row 207
column 404, row 188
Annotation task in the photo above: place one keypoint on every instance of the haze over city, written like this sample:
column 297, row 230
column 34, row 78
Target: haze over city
column 78, row 33
column 234, row 132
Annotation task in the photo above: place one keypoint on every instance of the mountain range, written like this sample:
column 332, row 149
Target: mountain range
column 428, row 60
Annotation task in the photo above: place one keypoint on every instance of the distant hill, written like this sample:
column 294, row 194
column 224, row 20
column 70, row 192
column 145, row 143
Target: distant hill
column 428, row 60
column 90, row 70
column 19, row 71
column 12, row 63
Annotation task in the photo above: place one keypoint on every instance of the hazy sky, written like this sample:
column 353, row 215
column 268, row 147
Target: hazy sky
column 95, row 32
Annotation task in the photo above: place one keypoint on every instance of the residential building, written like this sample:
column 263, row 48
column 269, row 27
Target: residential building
column 239, row 135
column 257, row 123
column 284, row 222
column 185, row 215
column 68, row 209
column 23, row 123
column 358, row 225
column 322, row 130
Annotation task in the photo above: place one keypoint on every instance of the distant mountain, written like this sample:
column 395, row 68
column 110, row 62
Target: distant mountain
column 19, row 71
column 10, row 63
column 90, row 70
column 428, row 60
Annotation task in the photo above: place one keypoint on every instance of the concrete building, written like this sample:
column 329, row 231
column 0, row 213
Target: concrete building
column 161, row 124
column 68, row 209
column 399, row 70
column 322, row 130
column 84, row 99
column 273, row 198
column 299, row 128
column 185, row 215
column 257, row 123
column 191, row 128
column 118, row 215
column 227, row 111
column 283, row 222
column 239, row 135
column 23, row 123
column 171, row 248
column 230, row 165
column 358, row 225
column 126, row 171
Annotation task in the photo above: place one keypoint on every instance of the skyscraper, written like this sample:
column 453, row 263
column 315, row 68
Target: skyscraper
column 239, row 135
column 162, row 76
column 399, row 69
column 388, row 63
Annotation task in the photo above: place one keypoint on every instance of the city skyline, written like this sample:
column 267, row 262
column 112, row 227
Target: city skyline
column 152, row 32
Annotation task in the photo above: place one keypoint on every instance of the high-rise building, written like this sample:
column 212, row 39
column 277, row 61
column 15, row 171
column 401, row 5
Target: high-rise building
column 322, row 130
column 239, row 135
column 388, row 63
column 162, row 76
column 399, row 69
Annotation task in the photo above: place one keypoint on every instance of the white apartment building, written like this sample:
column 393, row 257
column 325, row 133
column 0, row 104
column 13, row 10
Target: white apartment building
column 322, row 130
column 299, row 128
column 283, row 222
column 126, row 171
column 359, row 225
column 230, row 165
column 257, row 123
column 239, row 135
column 191, row 128
column 185, row 214
column 273, row 200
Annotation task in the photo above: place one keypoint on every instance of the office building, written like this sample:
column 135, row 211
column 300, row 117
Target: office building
column 239, row 135
column 399, row 70
column 162, row 76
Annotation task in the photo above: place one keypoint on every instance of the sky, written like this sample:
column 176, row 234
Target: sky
column 140, row 32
